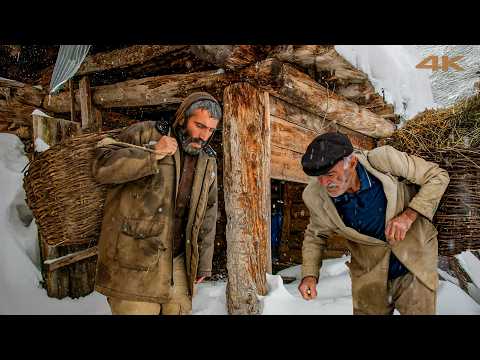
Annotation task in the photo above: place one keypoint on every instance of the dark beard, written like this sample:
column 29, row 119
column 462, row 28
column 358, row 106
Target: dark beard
column 186, row 142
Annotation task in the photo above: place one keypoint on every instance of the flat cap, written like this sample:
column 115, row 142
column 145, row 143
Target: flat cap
column 324, row 152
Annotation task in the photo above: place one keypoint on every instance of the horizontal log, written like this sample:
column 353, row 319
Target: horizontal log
column 17, row 113
column 322, row 57
column 231, row 57
column 293, row 86
column 286, row 165
column 122, row 58
column 304, row 119
column 156, row 90
column 54, row 264
column 23, row 93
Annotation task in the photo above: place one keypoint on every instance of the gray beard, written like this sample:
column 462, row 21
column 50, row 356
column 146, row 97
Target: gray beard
column 186, row 143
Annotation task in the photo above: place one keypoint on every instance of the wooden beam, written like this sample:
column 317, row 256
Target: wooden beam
column 291, row 113
column 246, row 143
column 54, row 264
column 89, row 118
column 295, row 87
column 156, row 90
column 231, row 57
column 122, row 58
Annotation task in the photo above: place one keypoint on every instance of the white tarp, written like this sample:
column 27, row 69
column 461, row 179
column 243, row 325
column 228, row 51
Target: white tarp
column 69, row 59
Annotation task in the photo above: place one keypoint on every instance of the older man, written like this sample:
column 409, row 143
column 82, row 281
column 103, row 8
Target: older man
column 160, row 215
column 382, row 201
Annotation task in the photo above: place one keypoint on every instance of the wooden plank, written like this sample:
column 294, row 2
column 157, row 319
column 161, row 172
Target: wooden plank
column 53, row 130
column 287, row 135
column 151, row 91
column 286, row 165
column 54, row 264
column 246, row 179
column 291, row 113
column 297, row 88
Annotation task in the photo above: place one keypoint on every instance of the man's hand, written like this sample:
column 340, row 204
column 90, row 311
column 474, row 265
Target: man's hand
column 397, row 227
column 199, row 280
column 308, row 287
column 167, row 145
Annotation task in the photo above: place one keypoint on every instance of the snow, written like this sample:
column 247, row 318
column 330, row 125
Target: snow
column 22, row 293
column 471, row 264
column 40, row 113
column 391, row 68
column 41, row 145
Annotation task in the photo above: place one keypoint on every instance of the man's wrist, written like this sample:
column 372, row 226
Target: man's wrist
column 411, row 214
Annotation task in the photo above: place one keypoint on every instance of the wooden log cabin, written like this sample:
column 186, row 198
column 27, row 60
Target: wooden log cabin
column 276, row 99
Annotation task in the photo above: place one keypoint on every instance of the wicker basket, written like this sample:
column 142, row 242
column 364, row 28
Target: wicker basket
column 65, row 199
column 458, row 216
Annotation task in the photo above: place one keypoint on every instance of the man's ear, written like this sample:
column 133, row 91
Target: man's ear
column 353, row 162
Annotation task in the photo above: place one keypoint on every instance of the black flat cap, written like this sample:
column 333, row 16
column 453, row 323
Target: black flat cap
column 324, row 152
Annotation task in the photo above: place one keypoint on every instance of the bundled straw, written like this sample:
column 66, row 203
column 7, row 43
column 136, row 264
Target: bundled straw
column 451, row 138
column 64, row 197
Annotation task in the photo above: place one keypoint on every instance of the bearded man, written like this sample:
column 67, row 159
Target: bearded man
column 158, row 230
column 382, row 201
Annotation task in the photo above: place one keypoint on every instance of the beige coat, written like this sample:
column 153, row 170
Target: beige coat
column 398, row 172
column 135, row 247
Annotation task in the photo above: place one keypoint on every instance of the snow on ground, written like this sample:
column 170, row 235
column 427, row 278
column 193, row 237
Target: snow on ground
column 21, row 292
column 391, row 68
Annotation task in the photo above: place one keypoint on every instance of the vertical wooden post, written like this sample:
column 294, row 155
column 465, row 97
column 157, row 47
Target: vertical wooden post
column 72, row 100
column 246, row 143
column 90, row 118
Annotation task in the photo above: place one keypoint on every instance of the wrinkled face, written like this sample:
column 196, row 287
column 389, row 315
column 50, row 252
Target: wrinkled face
column 198, row 130
column 339, row 179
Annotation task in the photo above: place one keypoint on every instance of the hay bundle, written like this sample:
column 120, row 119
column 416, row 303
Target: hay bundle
column 64, row 197
column 451, row 138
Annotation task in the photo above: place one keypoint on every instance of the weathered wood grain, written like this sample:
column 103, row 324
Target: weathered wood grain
column 246, row 143
column 157, row 90
column 295, row 87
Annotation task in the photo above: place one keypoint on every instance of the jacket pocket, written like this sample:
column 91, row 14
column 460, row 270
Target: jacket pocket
column 140, row 244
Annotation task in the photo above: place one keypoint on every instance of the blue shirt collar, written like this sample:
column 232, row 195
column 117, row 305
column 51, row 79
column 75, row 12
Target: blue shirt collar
column 365, row 184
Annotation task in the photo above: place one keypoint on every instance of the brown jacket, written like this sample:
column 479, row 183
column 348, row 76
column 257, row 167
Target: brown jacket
column 135, row 247
column 370, row 256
